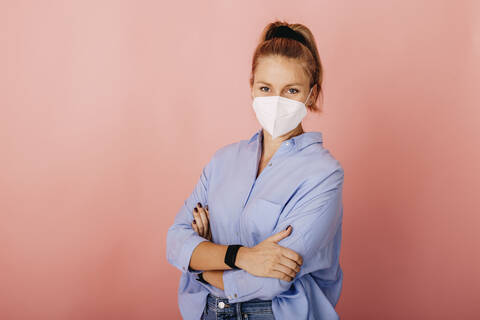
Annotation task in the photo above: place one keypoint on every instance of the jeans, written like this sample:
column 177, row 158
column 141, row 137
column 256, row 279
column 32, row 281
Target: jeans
column 217, row 308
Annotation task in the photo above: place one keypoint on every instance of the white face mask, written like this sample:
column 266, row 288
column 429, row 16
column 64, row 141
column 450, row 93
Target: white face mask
column 279, row 115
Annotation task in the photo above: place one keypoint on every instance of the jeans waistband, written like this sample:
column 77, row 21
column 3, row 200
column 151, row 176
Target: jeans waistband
column 221, row 305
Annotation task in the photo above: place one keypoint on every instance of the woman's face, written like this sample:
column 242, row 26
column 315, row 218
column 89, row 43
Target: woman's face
column 280, row 76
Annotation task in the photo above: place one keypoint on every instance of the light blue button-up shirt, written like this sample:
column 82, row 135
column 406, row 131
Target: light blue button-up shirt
column 302, row 187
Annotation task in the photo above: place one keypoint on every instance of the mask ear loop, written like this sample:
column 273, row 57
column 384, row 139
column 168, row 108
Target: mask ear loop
column 308, row 96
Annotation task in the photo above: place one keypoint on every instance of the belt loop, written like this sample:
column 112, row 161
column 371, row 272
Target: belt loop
column 206, row 306
column 239, row 310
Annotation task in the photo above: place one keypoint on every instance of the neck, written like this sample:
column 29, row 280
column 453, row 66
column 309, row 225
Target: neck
column 270, row 145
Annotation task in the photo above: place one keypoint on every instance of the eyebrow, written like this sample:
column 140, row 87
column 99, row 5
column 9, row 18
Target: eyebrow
column 288, row 85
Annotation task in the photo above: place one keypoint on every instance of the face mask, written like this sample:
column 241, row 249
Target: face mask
column 279, row 115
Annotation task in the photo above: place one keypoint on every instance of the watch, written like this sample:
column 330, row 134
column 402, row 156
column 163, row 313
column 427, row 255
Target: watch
column 201, row 279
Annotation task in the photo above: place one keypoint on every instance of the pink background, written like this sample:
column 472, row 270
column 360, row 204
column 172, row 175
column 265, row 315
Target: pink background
column 110, row 109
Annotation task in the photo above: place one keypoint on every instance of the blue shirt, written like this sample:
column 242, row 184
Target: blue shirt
column 301, row 186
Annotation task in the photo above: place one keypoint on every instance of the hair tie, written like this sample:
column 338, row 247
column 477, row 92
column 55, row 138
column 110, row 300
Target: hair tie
column 285, row 32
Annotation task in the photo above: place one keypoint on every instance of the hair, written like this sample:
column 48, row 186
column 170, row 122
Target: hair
column 303, row 48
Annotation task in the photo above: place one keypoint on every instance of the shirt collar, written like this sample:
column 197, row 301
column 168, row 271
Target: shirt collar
column 300, row 141
column 255, row 135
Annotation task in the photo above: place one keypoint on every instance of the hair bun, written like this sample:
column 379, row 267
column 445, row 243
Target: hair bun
column 285, row 32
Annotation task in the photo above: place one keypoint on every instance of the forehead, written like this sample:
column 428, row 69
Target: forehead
column 278, row 70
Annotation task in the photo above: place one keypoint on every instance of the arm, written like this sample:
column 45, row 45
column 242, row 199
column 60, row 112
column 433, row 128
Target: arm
column 186, row 250
column 315, row 219
column 209, row 256
column 214, row 278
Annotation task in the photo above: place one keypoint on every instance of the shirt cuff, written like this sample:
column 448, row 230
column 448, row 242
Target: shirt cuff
column 187, row 251
column 237, row 284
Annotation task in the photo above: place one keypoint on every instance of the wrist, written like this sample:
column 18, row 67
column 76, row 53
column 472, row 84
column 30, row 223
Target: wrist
column 202, row 277
column 242, row 257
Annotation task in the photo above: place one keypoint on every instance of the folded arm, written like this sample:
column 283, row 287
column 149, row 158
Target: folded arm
column 315, row 219
column 186, row 250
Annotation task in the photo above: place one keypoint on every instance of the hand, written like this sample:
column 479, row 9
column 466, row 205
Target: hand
column 201, row 223
column 269, row 259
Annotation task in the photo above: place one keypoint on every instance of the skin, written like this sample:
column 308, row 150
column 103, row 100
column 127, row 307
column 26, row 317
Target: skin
column 274, row 76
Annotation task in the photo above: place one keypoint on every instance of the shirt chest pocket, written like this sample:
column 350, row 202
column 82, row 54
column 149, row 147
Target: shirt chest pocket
column 261, row 219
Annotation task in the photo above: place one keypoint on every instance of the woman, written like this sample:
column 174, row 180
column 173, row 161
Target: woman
column 259, row 237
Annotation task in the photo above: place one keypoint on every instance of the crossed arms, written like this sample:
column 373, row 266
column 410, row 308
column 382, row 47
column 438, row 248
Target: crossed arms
column 315, row 218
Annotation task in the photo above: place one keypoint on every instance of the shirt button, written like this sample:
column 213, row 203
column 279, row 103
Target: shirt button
column 235, row 295
column 287, row 143
column 221, row 304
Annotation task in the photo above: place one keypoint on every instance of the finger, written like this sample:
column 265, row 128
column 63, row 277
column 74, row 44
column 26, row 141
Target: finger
column 280, row 235
column 279, row 275
column 203, row 217
column 289, row 263
column 284, row 269
column 209, row 233
column 288, row 267
column 194, row 226
column 204, row 211
column 293, row 255
column 208, row 218
column 200, row 226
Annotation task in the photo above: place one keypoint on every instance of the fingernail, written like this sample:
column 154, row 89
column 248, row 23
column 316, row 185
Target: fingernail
column 199, row 204
column 196, row 210
column 206, row 207
column 287, row 227
column 194, row 222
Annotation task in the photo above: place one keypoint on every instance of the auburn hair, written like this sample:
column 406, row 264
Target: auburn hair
column 307, row 54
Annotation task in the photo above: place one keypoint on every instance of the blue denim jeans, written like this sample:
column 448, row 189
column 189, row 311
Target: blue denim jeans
column 217, row 308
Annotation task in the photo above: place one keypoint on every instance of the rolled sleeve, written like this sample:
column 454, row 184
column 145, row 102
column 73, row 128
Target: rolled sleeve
column 181, row 238
column 315, row 220
column 187, row 251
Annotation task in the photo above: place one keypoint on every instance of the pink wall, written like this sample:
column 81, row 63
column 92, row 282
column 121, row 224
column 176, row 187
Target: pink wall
column 109, row 110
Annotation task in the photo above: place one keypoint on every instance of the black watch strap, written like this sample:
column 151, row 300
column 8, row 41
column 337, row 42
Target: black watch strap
column 201, row 279
column 231, row 255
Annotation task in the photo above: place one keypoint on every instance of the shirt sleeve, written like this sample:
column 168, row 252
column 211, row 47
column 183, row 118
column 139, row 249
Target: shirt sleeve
column 315, row 219
column 181, row 238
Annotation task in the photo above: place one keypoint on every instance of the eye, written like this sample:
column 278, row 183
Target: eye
column 293, row 89
column 262, row 88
